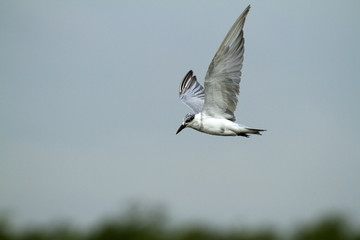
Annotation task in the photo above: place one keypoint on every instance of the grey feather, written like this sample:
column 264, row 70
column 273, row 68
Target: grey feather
column 191, row 92
column 223, row 76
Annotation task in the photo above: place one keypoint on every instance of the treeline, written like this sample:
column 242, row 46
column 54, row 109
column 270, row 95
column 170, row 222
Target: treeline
column 154, row 226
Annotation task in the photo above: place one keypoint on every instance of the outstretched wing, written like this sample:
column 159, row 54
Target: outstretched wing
column 191, row 92
column 223, row 76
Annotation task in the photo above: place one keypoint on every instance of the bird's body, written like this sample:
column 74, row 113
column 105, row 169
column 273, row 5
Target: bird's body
column 215, row 104
column 218, row 126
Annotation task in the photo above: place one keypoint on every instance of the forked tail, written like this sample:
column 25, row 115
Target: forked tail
column 251, row 131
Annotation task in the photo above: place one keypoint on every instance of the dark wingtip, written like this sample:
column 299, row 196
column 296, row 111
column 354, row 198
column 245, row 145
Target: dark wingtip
column 185, row 80
column 243, row 135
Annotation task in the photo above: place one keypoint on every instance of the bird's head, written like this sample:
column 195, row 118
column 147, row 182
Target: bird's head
column 187, row 120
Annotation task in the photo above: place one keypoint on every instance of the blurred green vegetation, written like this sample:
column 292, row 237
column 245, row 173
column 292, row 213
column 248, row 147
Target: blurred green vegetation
column 135, row 224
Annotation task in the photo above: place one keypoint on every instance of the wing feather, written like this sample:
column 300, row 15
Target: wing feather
column 223, row 76
column 191, row 92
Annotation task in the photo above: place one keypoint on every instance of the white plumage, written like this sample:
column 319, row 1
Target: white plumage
column 214, row 105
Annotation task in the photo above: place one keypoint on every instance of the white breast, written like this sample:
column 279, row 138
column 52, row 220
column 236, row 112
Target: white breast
column 215, row 126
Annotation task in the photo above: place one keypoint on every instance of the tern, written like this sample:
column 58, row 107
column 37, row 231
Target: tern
column 214, row 105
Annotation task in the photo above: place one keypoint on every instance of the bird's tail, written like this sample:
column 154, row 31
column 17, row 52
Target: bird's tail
column 251, row 131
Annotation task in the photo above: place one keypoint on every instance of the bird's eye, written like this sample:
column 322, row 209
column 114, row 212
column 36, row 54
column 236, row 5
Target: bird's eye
column 189, row 119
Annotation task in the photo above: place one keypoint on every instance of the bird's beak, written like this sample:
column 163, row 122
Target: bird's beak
column 181, row 128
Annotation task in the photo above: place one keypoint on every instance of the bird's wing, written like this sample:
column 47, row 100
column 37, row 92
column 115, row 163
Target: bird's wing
column 223, row 76
column 191, row 92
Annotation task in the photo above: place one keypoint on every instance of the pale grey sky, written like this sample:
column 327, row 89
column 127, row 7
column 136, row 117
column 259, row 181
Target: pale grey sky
column 89, row 110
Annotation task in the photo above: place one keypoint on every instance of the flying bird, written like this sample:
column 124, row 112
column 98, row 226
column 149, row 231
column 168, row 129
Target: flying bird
column 214, row 104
